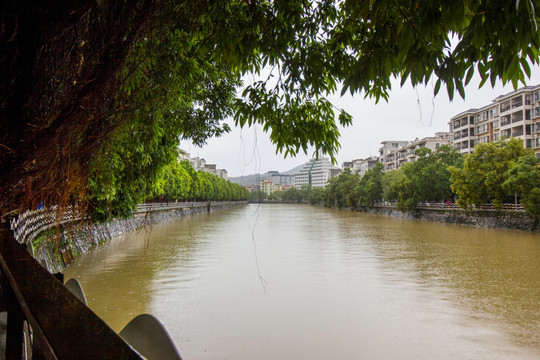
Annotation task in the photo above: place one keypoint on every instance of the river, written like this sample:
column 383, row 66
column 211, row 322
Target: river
column 303, row 282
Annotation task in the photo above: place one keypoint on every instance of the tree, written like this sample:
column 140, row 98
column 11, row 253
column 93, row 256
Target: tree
column 484, row 172
column 389, row 184
column 428, row 178
column 177, row 182
column 257, row 196
column 524, row 180
column 276, row 195
column 317, row 196
column 341, row 190
column 370, row 187
column 205, row 187
column 81, row 79
column 292, row 195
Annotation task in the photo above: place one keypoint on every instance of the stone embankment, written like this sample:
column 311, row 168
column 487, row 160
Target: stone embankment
column 56, row 246
column 501, row 219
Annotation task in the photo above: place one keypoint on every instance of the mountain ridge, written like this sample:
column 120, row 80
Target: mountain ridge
column 254, row 179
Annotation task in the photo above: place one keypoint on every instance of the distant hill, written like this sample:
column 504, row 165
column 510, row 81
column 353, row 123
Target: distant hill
column 256, row 178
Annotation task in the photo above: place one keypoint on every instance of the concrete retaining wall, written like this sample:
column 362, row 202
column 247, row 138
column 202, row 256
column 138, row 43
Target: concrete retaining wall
column 77, row 238
column 492, row 219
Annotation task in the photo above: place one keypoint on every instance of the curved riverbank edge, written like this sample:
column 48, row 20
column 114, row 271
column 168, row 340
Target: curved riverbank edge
column 478, row 218
column 57, row 247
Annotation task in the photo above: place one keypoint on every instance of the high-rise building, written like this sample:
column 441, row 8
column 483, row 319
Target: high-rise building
column 316, row 173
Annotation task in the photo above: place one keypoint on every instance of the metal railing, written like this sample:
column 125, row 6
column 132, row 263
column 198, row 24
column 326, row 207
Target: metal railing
column 446, row 206
column 30, row 223
column 59, row 325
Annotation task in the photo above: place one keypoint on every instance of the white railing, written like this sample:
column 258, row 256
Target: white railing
column 32, row 222
column 444, row 205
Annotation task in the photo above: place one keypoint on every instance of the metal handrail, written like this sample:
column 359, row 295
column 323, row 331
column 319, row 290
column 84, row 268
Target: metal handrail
column 446, row 206
column 32, row 222
column 62, row 326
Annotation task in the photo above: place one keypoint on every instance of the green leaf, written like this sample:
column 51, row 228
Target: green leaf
column 437, row 86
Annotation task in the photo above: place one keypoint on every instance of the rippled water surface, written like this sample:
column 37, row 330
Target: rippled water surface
column 302, row 282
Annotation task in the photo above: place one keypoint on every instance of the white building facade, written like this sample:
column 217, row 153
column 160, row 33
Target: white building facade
column 361, row 166
column 393, row 154
column 316, row 173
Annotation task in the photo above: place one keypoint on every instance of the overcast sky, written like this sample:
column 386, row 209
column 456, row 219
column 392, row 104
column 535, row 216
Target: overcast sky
column 409, row 113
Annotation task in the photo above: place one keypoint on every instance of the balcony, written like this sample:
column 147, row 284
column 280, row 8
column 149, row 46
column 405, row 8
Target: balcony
column 517, row 102
column 517, row 117
column 517, row 131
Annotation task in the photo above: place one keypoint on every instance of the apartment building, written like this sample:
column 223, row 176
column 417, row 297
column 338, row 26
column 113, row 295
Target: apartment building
column 361, row 166
column 200, row 164
column 516, row 114
column 316, row 173
column 393, row 154
column 280, row 179
column 268, row 187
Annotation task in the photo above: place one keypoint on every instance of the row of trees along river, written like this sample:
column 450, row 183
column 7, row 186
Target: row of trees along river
column 494, row 173
column 177, row 181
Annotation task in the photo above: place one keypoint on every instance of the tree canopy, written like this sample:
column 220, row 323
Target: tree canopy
column 102, row 91
column 485, row 174
column 428, row 178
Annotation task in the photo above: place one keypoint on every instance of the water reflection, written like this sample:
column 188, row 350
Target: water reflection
column 285, row 281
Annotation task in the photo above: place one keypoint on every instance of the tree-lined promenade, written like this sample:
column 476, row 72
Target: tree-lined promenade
column 494, row 173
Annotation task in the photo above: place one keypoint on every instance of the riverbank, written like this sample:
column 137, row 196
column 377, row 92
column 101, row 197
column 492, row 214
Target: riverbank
column 57, row 247
column 479, row 218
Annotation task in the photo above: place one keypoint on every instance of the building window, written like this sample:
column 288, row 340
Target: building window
column 528, row 114
column 528, row 99
column 505, row 106
column 517, row 117
column 517, row 101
